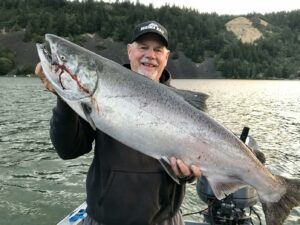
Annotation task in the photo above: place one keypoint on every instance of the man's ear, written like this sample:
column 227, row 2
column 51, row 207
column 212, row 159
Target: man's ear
column 168, row 54
column 129, row 48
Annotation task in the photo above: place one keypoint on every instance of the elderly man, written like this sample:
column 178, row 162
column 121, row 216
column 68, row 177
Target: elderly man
column 124, row 187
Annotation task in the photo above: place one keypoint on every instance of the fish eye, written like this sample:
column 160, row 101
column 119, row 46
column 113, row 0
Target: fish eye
column 63, row 58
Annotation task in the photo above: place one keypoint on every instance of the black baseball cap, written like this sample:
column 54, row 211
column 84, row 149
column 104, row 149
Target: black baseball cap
column 150, row 27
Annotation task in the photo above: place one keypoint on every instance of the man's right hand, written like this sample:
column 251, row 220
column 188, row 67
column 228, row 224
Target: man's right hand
column 39, row 72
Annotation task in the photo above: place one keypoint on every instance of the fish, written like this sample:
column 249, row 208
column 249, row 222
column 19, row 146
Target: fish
column 161, row 122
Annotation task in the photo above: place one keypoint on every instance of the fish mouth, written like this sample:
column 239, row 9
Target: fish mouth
column 45, row 49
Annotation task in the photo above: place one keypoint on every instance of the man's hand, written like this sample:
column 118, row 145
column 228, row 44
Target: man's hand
column 182, row 170
column 39, row 72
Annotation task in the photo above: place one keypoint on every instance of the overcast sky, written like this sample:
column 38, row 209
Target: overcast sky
column 229, row 6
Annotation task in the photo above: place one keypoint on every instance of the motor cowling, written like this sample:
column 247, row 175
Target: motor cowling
column 242, row 198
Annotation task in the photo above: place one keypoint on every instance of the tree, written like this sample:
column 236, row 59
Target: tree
column 6, row 65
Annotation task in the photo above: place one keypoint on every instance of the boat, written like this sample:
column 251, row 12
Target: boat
column 223, row 213
column 77, row 216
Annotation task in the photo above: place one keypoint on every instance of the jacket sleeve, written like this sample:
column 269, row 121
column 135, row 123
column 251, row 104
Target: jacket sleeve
column 70, row 135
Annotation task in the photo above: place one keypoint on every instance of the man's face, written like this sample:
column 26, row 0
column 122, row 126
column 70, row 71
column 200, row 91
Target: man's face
column 148, row 56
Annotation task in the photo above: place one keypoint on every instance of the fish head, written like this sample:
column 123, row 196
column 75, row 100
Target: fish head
column 71, row 69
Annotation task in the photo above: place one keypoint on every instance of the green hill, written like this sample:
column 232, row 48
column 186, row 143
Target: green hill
column 201, row 44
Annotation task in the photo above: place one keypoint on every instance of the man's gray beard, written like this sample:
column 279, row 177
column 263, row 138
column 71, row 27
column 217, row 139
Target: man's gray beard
column 145, row 75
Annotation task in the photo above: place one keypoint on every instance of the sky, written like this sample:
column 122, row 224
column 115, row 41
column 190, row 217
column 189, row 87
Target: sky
column 232, row 7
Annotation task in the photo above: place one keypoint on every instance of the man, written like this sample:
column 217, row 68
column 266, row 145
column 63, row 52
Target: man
column 124, row 187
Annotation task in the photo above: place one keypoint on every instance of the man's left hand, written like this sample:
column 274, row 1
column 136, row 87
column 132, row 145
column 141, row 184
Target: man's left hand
column 182, row 170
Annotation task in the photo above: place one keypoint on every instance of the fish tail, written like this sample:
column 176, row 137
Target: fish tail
column 277, row 212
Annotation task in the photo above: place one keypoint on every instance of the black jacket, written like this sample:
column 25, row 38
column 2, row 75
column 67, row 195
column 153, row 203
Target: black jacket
column 123, row 186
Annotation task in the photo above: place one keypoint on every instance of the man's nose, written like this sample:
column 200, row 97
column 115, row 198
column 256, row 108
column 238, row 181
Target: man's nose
column 150, row 53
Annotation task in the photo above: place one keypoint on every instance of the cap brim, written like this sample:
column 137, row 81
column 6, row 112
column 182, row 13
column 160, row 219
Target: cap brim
column 164, row 40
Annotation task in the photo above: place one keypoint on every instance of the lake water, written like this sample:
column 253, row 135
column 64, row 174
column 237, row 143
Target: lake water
column 38, row 188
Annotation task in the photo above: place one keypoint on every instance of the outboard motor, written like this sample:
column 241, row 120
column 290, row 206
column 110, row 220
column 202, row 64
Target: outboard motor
column 230, row 210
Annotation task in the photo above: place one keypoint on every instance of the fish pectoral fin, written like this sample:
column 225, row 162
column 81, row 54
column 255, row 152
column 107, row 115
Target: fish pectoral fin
column 196, row 99
column 222, row 189
column 87, row 110
column 165, row 163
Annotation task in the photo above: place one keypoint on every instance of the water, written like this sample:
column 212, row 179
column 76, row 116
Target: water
column 36, row 187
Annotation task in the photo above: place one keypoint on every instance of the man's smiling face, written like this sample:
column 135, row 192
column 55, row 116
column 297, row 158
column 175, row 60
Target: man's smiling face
column 148, row 56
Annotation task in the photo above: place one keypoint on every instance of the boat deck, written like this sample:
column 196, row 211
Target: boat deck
column 76, row 217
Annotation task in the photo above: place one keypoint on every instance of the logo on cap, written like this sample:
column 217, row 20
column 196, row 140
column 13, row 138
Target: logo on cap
column 152, row 26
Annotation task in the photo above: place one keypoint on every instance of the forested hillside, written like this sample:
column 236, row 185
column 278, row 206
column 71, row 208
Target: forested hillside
column 198, row 35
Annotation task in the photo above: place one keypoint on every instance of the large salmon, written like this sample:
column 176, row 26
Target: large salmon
column 156, row 120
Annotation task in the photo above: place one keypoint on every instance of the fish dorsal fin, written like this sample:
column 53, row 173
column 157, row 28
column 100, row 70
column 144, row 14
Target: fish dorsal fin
column 165, row 163
column 222, row 189
column 196, row 99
